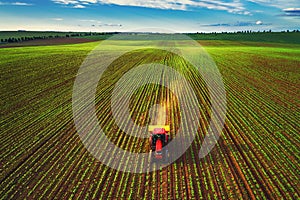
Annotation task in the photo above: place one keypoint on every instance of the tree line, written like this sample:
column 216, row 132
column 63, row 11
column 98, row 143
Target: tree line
column 29, row 38
column 248, row 31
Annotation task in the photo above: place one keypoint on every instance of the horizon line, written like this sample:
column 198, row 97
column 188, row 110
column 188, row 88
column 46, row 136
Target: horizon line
column 155, row 32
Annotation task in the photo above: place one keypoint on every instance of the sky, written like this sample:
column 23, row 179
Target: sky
column 150, row 15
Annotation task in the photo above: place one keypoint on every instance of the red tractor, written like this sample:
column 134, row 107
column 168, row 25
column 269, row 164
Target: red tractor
column 159, row 138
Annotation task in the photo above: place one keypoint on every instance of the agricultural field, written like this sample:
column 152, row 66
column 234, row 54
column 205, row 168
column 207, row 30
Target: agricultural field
column 276, row 37
column 257, row 156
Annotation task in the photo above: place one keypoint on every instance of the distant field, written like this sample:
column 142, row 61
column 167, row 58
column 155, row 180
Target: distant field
column 96, row 37
column 291, row 37
column 258, row 155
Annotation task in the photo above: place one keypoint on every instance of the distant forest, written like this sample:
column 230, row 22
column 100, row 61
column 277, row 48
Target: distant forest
column 252, row 36
column 21, row 36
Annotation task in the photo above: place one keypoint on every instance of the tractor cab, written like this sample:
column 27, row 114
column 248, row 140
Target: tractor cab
column 158, row 139
column 161, row 134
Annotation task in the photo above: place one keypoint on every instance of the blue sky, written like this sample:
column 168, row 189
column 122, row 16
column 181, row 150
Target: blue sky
column 131, row 15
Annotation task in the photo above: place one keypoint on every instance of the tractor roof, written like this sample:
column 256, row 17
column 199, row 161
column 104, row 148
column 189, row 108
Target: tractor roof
column 159, row 131
column 152, row 127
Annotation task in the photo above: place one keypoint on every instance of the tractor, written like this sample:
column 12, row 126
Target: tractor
column 159, row 138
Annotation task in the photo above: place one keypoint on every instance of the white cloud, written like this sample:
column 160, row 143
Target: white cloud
column 21, row 4
column 233, row 6
column 111, row 25
column 66, row 2
column 259, row 22
column 291, row 12
column 78, row 6
column 237, row 24
column 247, row 13
column 291, row 9
column 74, row 3
column 278, row 3
column 89, row 1
column 87, row 20
column 90, row 20
column 99, row 23
column 163, row 4
column 57, row 19
column 15, row 4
